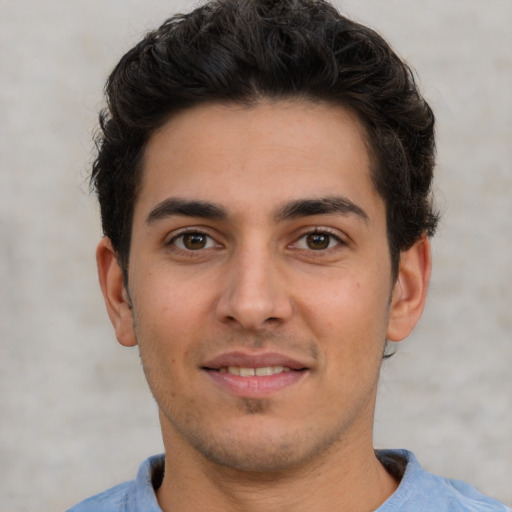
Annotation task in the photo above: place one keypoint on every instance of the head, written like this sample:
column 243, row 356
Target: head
column 264, row 172
column 248, row 51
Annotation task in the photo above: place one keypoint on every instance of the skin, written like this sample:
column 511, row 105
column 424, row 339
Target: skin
column 254, row 273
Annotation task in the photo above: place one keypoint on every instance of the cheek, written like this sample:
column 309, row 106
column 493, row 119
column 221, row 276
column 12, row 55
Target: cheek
column 165, row 298
column 347, row 299
column 172, row 315
column 348, row 317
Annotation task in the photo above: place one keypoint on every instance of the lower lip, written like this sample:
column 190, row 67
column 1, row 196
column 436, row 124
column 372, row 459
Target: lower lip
column 253, row 387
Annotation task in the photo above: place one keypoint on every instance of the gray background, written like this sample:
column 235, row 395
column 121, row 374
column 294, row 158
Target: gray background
column 75, row 413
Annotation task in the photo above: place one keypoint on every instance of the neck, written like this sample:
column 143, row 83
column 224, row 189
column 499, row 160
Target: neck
column 348, row 479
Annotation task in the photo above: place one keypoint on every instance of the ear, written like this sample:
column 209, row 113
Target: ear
column 115, row 294
column 410, row 290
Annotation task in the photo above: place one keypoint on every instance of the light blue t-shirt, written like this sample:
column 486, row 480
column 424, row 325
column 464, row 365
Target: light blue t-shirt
column 419, row 491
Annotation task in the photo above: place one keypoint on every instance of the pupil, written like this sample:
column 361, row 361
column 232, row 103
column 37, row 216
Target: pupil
column 318, row 241
column 194, row 241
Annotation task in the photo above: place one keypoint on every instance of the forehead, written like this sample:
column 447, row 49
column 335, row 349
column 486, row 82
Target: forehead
column 260, row 154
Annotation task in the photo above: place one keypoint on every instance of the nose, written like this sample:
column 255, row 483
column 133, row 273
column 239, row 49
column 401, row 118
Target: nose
column 254, row 295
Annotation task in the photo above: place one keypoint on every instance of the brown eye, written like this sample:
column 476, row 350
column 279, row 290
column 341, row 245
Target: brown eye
column 318, row 241
column 193, row 241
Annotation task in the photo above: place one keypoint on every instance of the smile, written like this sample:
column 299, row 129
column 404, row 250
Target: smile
column 253, row 375
column 263, row 371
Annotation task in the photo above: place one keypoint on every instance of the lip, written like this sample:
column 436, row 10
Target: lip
column 254, row 361
column 255, row 386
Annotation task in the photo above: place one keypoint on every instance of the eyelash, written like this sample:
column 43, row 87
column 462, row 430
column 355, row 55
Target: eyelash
column 172, row 243
column 338, row 242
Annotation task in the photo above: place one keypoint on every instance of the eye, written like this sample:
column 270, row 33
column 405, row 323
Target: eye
column 317, row 241
column 193, row 241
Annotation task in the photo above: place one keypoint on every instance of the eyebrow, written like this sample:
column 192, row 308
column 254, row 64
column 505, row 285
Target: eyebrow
column 188, row 208
column 321, row 206
column 292, row 210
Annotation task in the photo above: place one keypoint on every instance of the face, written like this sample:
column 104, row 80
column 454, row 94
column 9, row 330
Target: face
column 260, row 290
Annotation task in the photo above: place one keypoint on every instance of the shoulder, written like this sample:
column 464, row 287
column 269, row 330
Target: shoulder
column 421, row 491
column 114, row 499
column 132, row 496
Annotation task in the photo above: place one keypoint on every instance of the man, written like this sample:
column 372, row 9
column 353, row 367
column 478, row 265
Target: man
column 264, row 176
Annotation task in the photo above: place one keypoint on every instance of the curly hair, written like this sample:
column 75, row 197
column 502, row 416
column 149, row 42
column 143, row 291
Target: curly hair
column 244, row 50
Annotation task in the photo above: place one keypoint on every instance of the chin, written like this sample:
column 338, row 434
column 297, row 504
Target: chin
column 255, row 458
column 261, row 450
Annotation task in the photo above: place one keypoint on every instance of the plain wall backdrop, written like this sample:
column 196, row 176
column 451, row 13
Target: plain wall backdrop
column 75, row 413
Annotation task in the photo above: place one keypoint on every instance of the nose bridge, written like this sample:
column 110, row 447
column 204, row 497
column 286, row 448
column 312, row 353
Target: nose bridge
column 253, row 293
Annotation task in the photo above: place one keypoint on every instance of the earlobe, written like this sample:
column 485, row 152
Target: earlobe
column 117, row 299
column 410, row 290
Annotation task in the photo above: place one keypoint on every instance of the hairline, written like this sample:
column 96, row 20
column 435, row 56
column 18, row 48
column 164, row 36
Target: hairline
column 250, row 102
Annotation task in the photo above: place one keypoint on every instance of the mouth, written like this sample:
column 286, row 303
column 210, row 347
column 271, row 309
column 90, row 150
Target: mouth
column 263, row 371
column 249, row 375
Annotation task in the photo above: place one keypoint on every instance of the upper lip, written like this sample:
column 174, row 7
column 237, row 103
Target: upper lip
column 246, row 360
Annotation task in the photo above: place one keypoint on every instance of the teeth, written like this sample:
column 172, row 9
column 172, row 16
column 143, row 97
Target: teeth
column 252, row 372
column 266, row 370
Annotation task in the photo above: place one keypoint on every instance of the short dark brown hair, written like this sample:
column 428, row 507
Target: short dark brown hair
column 244, row 50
